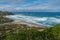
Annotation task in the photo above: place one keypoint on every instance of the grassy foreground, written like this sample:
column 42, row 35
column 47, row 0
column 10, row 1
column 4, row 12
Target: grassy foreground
column 23, row 32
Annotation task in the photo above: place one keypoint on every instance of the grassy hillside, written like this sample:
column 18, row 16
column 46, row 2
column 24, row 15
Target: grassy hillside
column 52, row 33
column 18, row 32
column 23, row 32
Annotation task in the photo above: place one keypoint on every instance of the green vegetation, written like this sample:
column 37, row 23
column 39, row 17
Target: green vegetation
column 23, row 32
column 18, row 32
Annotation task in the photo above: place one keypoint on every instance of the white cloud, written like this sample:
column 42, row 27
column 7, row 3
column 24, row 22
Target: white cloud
column 35, row 5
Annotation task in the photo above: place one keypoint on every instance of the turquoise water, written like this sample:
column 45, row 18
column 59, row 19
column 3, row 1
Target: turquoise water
column 40, row 18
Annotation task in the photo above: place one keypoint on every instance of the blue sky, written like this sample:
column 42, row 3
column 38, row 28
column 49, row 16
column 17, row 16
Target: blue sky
column 30, row 5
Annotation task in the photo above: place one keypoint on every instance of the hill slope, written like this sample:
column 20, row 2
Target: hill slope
column 21, row 32
column 52, row 33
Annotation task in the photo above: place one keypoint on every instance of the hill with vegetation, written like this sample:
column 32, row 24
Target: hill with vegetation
column 24, row 32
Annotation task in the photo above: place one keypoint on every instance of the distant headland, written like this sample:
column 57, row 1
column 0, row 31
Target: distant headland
column 3, row 13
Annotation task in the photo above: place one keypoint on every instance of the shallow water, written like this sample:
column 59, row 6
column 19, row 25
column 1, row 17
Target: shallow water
column 40, row 18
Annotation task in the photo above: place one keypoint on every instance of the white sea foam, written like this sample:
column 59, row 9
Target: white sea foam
column 47, row 21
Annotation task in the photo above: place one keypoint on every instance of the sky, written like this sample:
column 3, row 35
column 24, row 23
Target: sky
column 30, row 5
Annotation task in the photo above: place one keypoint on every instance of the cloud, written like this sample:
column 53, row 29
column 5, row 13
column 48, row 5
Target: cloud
column 6, row 8
column 30, row 5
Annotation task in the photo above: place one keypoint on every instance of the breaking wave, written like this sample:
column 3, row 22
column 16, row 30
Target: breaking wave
column 46, row 21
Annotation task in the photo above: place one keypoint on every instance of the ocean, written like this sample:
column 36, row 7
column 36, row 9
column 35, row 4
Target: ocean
column 41, row 18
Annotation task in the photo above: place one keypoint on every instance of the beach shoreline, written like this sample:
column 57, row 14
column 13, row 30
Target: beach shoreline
column 28, row 24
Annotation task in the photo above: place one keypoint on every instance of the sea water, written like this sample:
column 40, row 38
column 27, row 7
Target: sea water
column 40, row 18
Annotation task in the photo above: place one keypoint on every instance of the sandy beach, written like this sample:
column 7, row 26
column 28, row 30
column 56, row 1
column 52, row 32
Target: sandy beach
column 28, row 24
